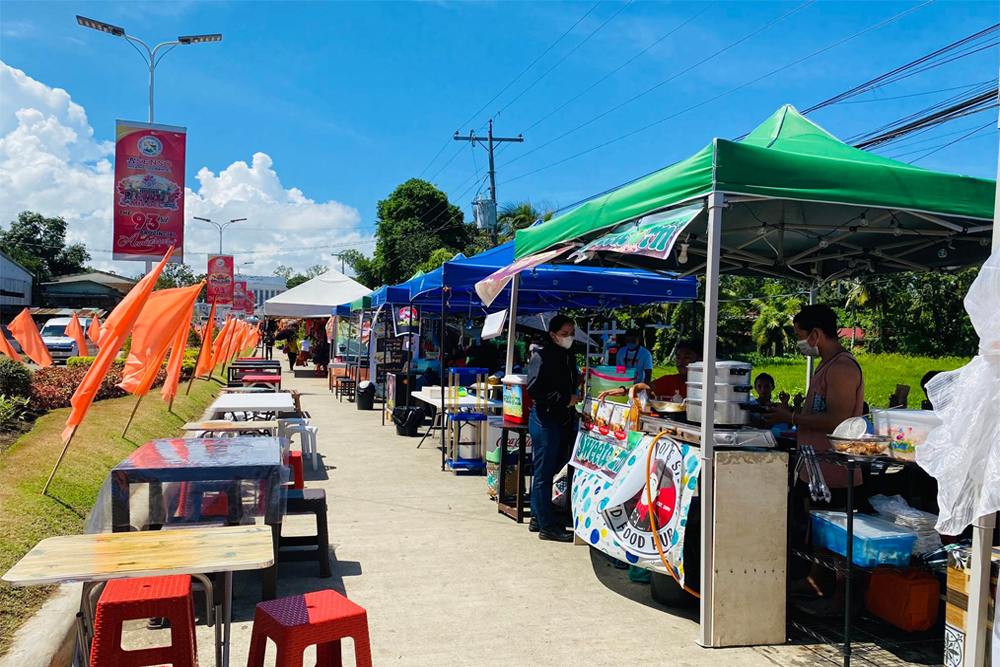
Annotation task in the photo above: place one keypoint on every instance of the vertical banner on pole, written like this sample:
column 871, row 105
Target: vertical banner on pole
column 240, row 296
column 220, row 279
column 149, row 191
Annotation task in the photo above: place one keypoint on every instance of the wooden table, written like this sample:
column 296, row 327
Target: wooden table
column 267, row 402
column 93, row 559
column 209, row 465
column 269, row 428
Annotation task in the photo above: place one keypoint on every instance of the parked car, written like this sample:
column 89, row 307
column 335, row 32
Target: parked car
column 60, row 346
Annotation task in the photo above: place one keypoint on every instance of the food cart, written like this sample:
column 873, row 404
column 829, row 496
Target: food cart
column 788, row 201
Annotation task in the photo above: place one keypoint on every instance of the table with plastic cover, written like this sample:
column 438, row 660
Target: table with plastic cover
column 257, row 402
column 95, row 559
column 185, row 478
column 254, row 428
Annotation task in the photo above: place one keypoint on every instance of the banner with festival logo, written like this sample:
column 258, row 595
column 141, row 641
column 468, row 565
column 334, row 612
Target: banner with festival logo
column 220, row 279
column 240, row 295
column 148, row 212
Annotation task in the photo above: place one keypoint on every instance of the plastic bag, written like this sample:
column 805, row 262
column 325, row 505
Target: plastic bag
column 898, row 511
column 963, row 454
column 560, row 486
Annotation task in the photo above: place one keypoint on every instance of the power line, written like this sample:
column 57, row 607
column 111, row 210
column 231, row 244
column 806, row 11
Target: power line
column 664, row 82
column 725, row 94
column 896, row 156
column 950, row 143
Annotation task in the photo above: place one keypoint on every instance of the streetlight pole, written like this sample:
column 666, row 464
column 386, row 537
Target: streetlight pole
column 150, row 56
column 221, row 226
column 341, row 256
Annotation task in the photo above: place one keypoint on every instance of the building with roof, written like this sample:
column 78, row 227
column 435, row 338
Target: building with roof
column 90, row 289
column 16, row 284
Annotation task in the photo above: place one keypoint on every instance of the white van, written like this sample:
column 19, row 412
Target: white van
column 60, row 346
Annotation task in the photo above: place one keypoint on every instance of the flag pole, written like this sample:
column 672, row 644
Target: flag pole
column 45, row 489
column 131, row 416
column 170, row 406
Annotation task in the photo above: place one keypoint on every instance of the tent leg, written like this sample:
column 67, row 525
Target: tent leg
column 444, row 333
column 131, row 416
column 512, row 324
column 979, row 591
column 715, row 204
column 45, row 489
column 810, row 361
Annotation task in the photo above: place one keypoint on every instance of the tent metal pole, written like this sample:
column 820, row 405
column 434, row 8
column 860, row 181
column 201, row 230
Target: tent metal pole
column 716, row 202
column 982, row 541
column 444, row 385
column 512, row 323
column 810, row 361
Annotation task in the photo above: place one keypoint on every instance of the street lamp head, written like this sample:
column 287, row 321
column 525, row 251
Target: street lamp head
column 237, row 220
column 103, row 27
column 202, row 219
column 200, row 39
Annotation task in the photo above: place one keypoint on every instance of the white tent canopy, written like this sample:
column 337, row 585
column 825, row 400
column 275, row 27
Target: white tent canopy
column 317, row 297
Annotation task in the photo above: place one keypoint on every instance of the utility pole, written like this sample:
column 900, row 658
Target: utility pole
column 488, row 145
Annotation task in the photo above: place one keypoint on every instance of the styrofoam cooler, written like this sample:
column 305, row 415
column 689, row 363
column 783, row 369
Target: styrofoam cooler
column 516, row 402
column 468, row 445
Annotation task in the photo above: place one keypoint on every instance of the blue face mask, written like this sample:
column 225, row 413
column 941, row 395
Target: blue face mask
column 632, row 346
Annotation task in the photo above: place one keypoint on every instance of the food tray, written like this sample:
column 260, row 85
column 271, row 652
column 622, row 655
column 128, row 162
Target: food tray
column 876, row 541
column 862, row 448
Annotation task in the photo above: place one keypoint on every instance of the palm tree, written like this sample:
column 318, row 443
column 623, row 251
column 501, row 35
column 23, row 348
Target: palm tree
column 772, row 330
column 512, row 216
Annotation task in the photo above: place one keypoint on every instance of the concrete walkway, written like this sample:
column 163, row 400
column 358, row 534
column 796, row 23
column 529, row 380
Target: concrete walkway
column 447, row 581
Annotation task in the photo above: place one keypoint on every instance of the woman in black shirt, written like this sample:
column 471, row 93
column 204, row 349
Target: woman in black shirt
column 553, row 380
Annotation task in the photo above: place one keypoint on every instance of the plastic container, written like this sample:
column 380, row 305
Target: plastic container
column 876, row 541
column 726, row 372
column 516, row 402
column 908, row 429
column 603, row 378
column 723, row 392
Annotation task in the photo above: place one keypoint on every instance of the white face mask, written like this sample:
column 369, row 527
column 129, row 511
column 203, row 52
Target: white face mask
column 807, row 349
column 566, row 342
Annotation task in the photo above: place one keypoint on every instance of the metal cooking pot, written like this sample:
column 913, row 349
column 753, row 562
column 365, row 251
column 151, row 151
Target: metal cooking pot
column 726, row 372
column 726, row 412
column 739, row 393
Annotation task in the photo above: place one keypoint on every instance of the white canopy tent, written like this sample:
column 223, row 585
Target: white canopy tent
column 317, row 297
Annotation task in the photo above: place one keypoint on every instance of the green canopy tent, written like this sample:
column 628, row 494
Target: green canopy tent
column 792, row 201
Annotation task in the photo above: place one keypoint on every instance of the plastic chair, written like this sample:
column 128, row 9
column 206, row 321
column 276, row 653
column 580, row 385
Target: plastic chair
column 322, row 618
column 147, row 597
column 307, row 436
column 307, row 501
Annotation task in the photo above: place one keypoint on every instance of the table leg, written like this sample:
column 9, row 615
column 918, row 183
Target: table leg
column 269, row 587
column 521, row 453
column 849, row 571
column 227, row 615
column 156, row 516
column 81, row 658
column 120, row 510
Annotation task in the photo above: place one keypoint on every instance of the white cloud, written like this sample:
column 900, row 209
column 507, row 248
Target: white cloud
column 51, row 162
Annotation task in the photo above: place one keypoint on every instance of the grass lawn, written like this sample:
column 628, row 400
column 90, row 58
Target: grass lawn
column 882, row 373
column 26, row 516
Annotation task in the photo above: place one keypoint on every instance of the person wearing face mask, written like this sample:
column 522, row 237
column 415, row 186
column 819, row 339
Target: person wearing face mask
column 553, row 385
column 836, row 393
column 634, row 355
column 667, row 387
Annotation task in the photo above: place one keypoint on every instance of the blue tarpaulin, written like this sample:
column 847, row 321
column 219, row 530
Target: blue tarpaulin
column 547, row 287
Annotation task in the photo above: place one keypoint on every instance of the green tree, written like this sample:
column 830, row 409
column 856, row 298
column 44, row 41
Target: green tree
column 364, row 268
column 316, row 270
column 437, row 258
column 283, row 271
column 512, row 216
column 413, row 222
column 176, row 275
column 772, row 328
column 39, row 243
column 296, row 280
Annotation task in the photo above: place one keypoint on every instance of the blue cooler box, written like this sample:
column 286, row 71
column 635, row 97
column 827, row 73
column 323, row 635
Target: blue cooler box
column 876, row 541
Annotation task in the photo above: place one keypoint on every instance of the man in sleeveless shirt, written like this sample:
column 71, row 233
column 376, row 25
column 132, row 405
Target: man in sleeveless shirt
column 836, row 393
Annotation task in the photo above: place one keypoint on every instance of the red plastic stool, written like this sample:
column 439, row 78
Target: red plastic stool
column 322, row 618
column 148, row 597
column 294, row 460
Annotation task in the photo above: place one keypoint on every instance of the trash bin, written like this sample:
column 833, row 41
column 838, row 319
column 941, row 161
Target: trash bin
column 407, row 420
column 366, row 395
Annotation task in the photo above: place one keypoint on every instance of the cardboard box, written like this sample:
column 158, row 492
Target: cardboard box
column 957, row 606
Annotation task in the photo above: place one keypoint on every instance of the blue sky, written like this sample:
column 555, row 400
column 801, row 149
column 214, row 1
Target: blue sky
column 347, row 100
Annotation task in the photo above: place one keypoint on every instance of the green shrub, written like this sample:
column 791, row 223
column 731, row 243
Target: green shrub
column 15, row 378
column 11, row 410
column 77, row 362
column 194, row 340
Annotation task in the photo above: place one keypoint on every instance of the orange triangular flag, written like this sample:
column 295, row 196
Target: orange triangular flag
column 8, row 349
column 220, row 343
column 205, row 356
column 24, row 331
column 152, row 334
column 169, row 389
column 75, row 331
column 116, row 328
column 94, row 331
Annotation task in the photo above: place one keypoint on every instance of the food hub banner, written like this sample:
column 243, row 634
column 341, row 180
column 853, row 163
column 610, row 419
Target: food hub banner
column 406, row 320
column 149, row 191
column 240, row 295
column 220, row 279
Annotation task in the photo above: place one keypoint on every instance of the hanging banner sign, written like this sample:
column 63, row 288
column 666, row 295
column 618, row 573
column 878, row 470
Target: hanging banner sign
column 653, row 235
column 148, row 207
column 240, row 295
column 603, row 455
column 493, row 326
column 489, row 288
column 406, row 319
column 220, row 279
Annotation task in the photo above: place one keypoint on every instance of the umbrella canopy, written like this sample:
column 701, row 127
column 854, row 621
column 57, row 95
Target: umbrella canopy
column 801, row 204
column 316, row 297
column 546, row 287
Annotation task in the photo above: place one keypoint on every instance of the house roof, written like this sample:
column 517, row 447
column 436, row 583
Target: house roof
column 17, row 263
column 112, row 280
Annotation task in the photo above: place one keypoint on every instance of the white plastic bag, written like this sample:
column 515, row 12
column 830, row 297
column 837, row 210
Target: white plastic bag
column 963, row 454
